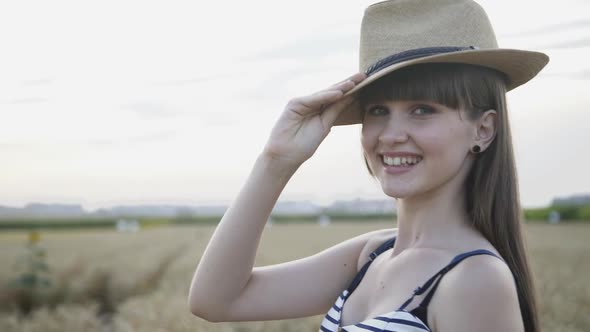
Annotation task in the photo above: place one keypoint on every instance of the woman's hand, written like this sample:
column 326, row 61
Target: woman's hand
column 306, row 121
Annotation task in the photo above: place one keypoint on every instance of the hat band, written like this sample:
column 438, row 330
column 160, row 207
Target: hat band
column 413, row 54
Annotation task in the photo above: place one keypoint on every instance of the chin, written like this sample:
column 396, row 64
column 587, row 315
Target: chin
column 397, row 192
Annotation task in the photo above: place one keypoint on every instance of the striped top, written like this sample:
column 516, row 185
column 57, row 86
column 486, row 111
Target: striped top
column 399, row 320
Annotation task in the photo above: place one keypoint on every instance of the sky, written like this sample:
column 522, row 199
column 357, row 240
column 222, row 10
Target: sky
column 170, row 102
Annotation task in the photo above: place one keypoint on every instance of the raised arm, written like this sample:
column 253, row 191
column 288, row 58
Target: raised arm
column 220, row 288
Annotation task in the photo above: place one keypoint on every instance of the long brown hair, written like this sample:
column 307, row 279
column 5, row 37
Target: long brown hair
column 491, row 187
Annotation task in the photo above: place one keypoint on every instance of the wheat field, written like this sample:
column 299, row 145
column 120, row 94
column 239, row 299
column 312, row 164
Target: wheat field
column 107, row 281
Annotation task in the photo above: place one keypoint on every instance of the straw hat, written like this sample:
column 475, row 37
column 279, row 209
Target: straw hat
column 399, row 33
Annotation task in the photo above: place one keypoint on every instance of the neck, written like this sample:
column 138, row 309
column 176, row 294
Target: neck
column 434, row 220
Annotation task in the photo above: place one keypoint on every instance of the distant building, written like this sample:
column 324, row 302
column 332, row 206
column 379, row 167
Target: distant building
column 127, row 226
column 145, row 210
column 580, row 199
column 304, row 208
column 210, row 210
column 43, row 210
column 324, row 220
column 554, row 217
column 285, row 208
column 359, row 206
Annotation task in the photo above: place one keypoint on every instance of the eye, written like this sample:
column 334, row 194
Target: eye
column 377, row 111
column 423, row 110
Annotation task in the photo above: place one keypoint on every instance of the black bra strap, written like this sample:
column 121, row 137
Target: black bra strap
column 359, row 276
column 453, row 263
column 438, row 276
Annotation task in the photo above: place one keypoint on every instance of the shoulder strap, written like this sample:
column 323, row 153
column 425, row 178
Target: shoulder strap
column 359, row 276
column 438, row 276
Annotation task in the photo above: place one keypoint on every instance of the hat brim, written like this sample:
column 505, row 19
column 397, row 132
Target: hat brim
column 520, row 66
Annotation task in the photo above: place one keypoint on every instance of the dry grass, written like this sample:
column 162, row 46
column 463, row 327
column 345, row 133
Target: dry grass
column 146, row 276
column 561, row 265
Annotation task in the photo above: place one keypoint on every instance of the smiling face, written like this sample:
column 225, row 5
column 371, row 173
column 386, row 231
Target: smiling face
column 416, row 146
column 432, row 114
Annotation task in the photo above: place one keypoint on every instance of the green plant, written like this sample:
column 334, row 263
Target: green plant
column 33, row 282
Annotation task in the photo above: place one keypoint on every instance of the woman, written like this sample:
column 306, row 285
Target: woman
column 435, row 134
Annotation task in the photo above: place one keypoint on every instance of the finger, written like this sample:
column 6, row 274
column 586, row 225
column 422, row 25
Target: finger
column 312, row 103
column 356, row 78
column 349, row 83
column 331, row 113
column 322, row 99
column 339, row 89
column 343, row 86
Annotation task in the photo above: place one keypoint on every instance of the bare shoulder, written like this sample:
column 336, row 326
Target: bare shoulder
column 376, row 239
column 477, row 294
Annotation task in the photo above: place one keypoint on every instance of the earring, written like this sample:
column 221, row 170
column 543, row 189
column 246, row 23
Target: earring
column 475, row 149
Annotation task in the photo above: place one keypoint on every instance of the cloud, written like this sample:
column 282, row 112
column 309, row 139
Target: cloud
column 584, row 42
column 269, row 88
column 38, row 82
column 583, row 74
column 28, row 100
column 189, row 81
column 151, row 109
column 153, row 137
column 310, row 47
column 145, row 138
column 102, row 142
column 584, row 23
column 12, row 145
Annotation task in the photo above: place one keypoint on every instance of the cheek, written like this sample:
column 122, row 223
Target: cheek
column 368, row 138
column 444, row 142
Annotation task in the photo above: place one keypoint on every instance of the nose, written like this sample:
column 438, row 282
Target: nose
column 394, row 132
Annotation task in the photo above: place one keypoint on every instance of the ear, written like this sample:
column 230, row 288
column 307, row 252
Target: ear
column 485, row 129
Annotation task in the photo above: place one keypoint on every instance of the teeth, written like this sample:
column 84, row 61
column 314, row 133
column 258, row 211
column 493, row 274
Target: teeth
column 397, row 161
